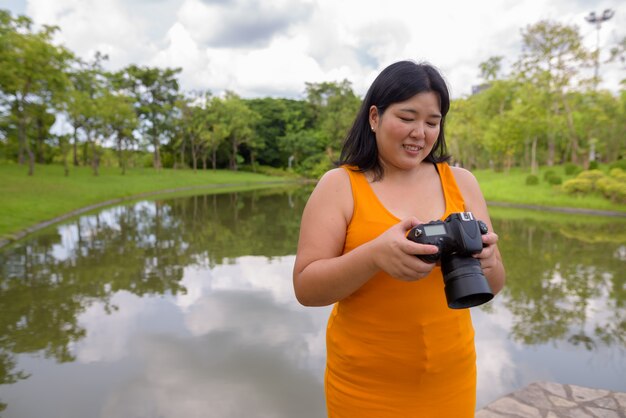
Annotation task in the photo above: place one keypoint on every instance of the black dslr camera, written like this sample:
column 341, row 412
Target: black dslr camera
column 458, row 237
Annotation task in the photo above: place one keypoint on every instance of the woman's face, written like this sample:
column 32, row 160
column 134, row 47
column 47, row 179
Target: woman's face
column 407, row 131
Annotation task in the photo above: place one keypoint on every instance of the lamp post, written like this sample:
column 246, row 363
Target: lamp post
column 598, row 20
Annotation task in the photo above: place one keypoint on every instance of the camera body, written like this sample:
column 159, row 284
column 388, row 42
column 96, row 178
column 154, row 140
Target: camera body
column 458, row 237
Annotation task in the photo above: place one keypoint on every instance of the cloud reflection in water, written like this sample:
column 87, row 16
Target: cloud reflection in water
column 249, row 347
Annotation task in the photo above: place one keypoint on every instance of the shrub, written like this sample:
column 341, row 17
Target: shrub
column 314, row 166
column 592, row 175
column 572, row 169
column 618, row 174
column 548, row 174
column 605, row 184
column 578, row 186
column 532, row 180
column 612, row 189
column 268, row 170
column 554, row 179
column 593, row 165
column 619, row 195
column 618, row 164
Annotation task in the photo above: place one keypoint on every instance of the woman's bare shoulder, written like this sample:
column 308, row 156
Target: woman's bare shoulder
column 461, row 172
column 464, row 177
column 334, row 190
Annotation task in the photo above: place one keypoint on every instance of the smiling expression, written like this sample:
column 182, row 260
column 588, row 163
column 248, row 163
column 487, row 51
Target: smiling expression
column 407, row 131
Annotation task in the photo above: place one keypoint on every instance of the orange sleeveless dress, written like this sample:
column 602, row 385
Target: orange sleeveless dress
column 394, row 348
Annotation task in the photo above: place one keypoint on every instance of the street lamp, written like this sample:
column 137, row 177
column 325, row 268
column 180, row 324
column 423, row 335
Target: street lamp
column 598, row 20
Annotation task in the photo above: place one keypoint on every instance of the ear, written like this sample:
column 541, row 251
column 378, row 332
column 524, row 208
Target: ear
column 374, row 116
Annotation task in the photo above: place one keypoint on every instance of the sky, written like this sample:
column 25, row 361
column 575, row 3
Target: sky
column 271, row 48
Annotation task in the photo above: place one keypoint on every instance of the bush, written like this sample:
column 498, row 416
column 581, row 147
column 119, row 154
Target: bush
column 593, row 165
column 554, row 179
column 572, row 169
column 618, row 174
column 619, row 195
column 578, row 186
column 532, row 180
column 314, row 166
column 604, row 185
column 612, row 189
column 618, row 164
column 592, row 175
column 548, row 174
column 268, row 170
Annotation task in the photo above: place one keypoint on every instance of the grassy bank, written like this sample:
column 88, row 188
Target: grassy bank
column 26, row 201
column 511, row 187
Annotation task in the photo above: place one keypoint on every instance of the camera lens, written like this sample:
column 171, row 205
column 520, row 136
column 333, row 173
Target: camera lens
column 465, row 283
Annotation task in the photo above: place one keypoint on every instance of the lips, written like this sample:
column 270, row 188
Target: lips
column 412, row 148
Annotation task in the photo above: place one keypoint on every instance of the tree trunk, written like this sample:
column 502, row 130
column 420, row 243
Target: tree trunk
column 182, row 153
column 63, row 146
column 156, row 160
column 533, row 156
column 24, row 145
column 574, row 142
column 95, row 158
column 31, row 160
column 233, row 156
column 194, row 157
column 551, row 150
column 75, row 146
column 21, row 135
column 86, row 150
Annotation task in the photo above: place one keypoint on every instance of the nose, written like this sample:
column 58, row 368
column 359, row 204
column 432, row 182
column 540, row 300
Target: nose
column 417, row 131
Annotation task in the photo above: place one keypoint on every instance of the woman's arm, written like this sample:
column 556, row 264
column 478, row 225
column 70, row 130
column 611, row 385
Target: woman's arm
column 490, row 258
column 322, row 274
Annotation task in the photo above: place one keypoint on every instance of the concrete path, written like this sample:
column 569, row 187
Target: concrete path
column 553, row 400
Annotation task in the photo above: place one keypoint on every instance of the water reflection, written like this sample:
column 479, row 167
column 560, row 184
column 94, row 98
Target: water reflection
column 184, row 307
column 566, row 280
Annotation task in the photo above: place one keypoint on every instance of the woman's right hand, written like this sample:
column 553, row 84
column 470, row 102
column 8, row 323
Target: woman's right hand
column 396, row 255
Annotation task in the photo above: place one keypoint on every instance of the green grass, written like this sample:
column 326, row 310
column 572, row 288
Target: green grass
column 26, row 201
column 510, row 187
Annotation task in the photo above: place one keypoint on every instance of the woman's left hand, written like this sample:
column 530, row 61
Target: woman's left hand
column 487, row 256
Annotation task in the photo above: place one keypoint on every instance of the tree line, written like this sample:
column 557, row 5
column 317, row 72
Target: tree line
column 543, row 112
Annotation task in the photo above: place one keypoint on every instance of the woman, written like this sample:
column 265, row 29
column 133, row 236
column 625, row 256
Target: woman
column 394, row 348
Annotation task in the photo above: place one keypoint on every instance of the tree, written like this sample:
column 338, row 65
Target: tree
column 88, row 84
column 335, row 106
column 119, row 122
column 192, row 121
column 490, row 69
column 155, row 92
column 32, row 74
column 552, row 57
column 220, row 129
column 240, row 122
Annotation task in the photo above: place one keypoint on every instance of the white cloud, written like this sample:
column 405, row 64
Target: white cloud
column 260, row 48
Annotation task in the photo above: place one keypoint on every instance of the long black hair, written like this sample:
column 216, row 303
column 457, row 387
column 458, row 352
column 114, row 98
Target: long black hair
column 396, row 83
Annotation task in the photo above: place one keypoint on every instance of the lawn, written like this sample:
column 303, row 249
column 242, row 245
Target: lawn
column 26, row 201
column 510, row 187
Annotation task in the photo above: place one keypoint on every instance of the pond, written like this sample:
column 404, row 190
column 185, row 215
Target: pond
column 184, row 307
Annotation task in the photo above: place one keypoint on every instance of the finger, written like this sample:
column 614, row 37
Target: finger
column 490, row 238
column 408, row 223
column 420, row 249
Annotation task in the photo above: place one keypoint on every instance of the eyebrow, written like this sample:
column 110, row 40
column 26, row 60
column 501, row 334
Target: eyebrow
column 415, row 112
